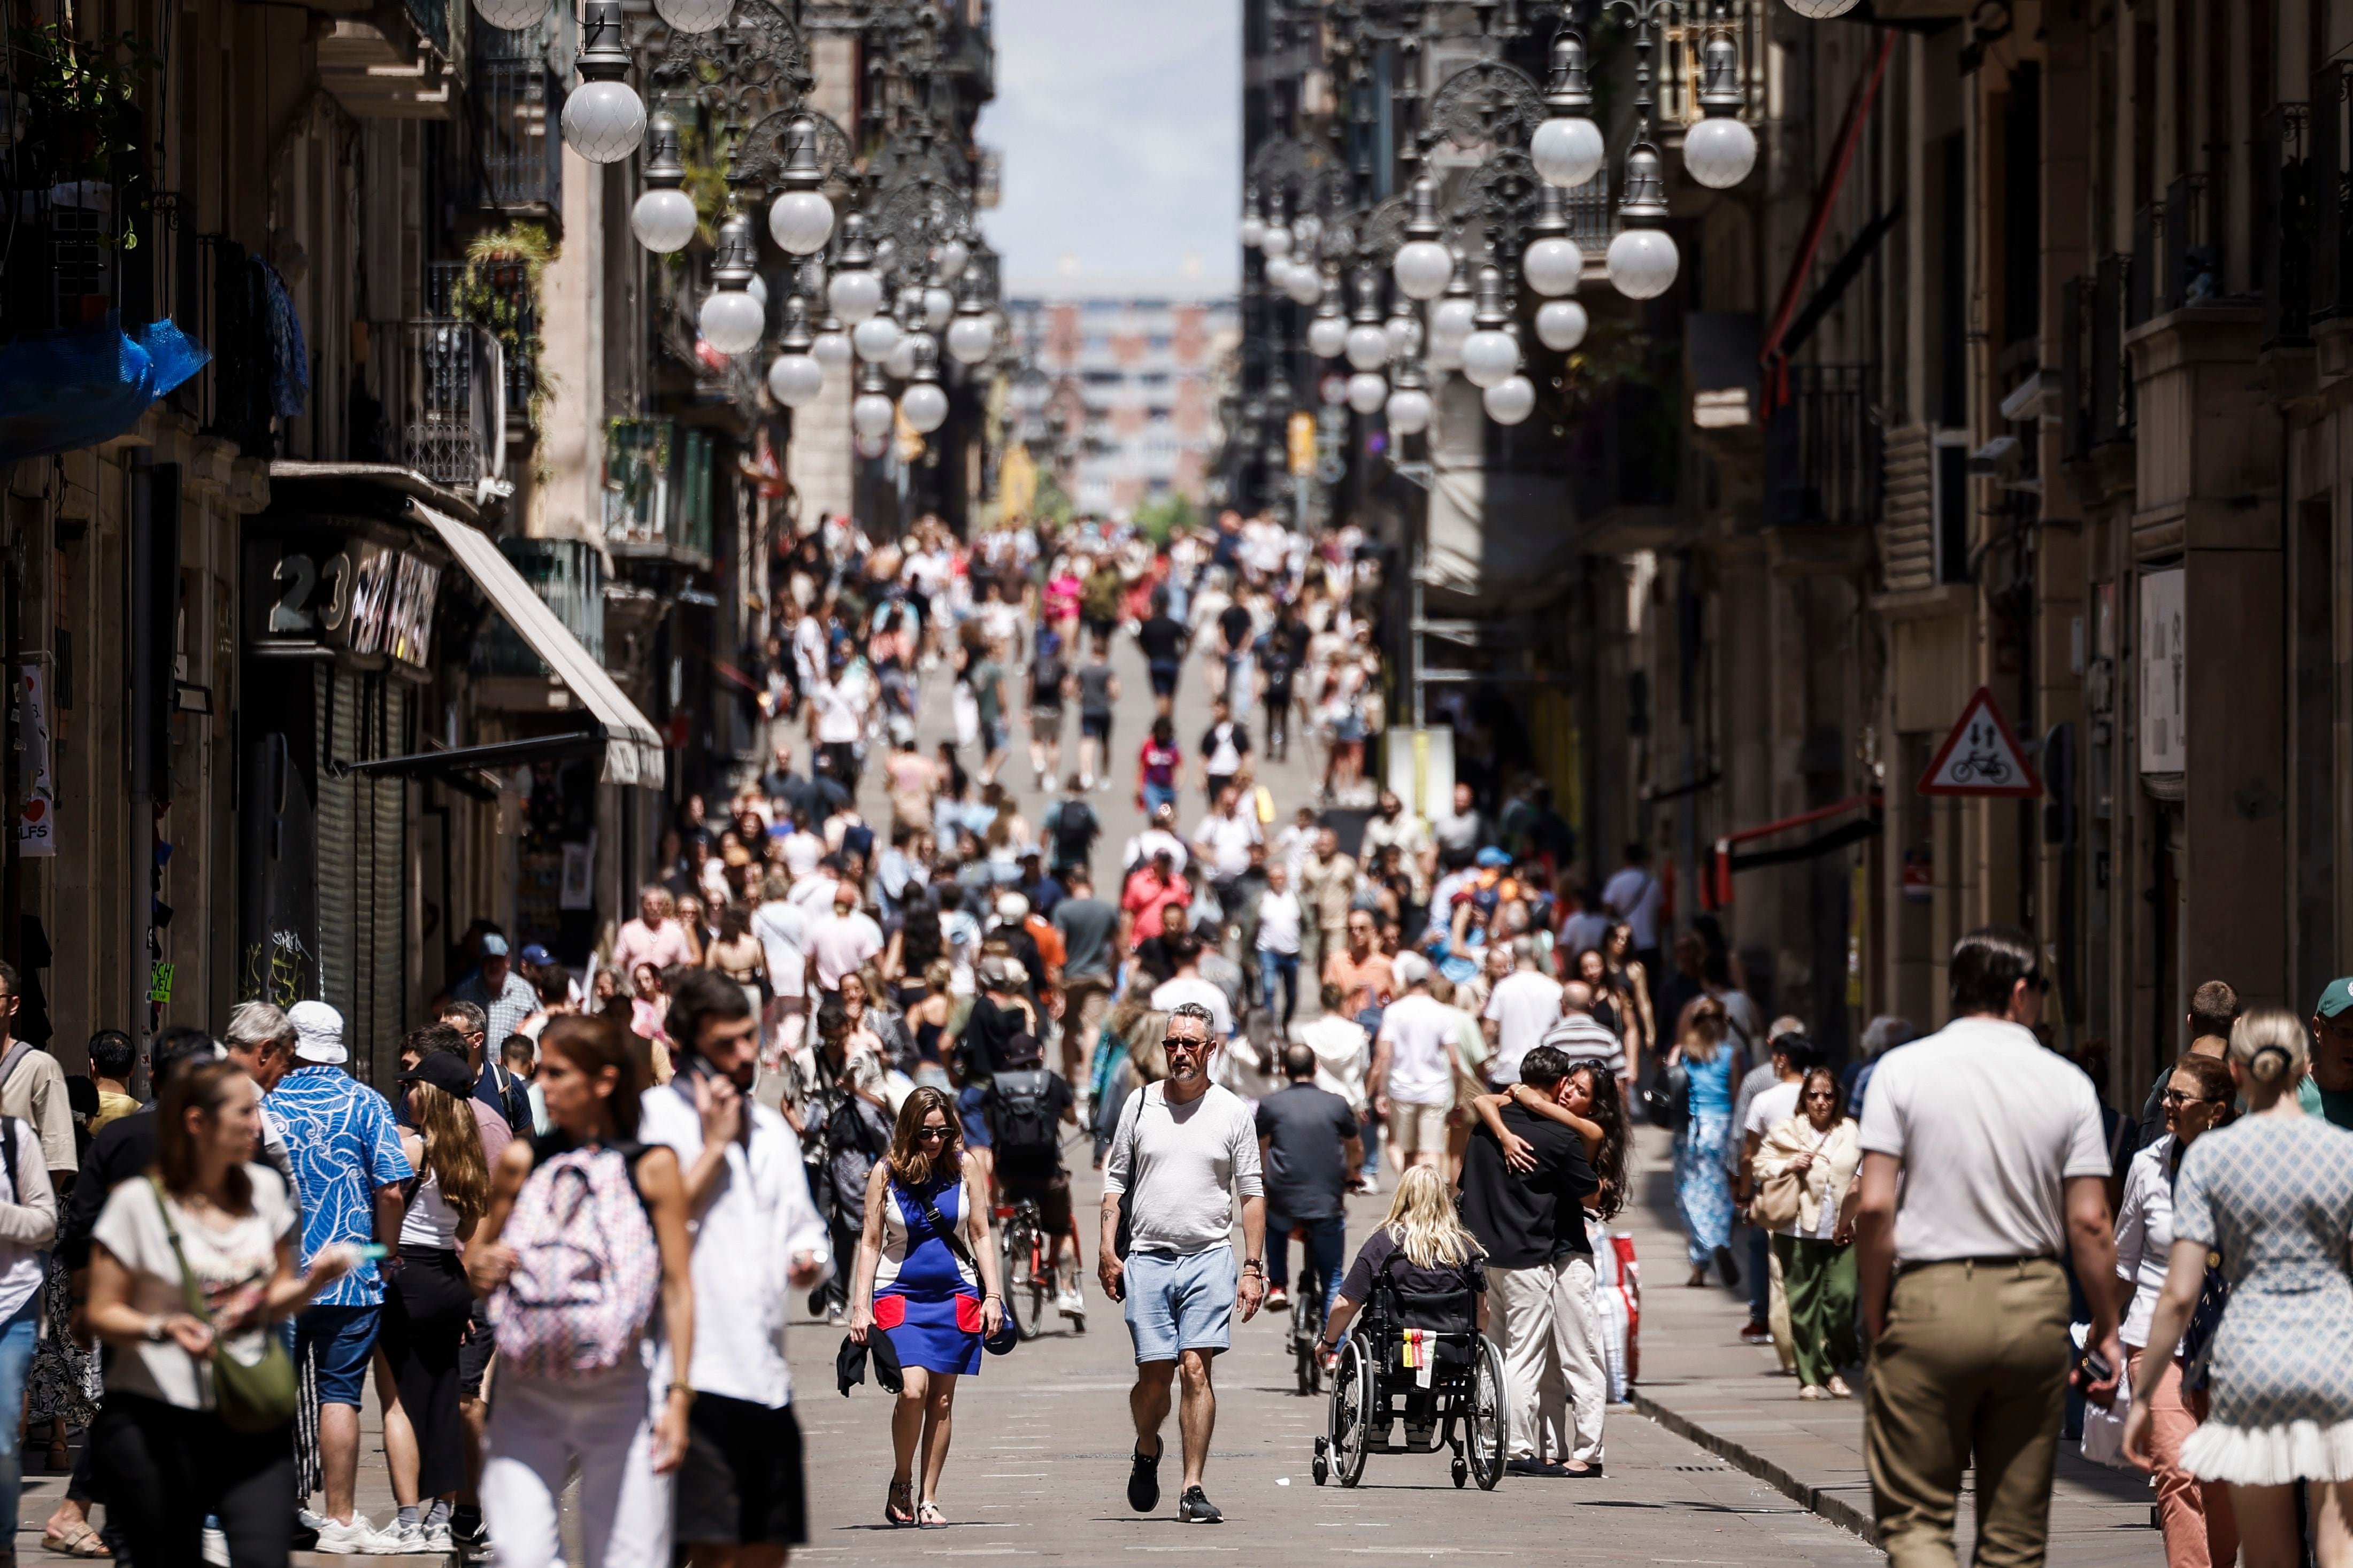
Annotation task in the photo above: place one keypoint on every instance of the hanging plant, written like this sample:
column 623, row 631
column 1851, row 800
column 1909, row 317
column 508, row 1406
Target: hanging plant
column 500, row 290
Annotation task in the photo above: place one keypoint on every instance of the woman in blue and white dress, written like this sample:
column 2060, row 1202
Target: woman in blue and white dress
column 2273, row 1194
column 930, row 1285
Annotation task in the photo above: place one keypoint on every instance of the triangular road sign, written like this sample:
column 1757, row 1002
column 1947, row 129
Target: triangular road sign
column 1982, row 756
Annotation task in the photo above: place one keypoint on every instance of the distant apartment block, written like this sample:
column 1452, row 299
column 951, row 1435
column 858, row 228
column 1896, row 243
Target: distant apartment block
column 1118, row 392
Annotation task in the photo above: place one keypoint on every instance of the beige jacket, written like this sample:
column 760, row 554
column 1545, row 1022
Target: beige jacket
column 1827, row 1179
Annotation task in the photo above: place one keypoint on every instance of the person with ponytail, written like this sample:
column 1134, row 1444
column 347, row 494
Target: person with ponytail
column 2271, row 1193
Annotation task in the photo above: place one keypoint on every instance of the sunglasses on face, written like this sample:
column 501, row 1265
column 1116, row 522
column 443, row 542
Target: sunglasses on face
column 1189, row 1044
column 2174, row 1097
column 930, row 1134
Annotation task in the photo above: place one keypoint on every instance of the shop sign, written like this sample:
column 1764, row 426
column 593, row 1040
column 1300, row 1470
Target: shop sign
column 36, row 816
column 365, row 598
column 2163, row 748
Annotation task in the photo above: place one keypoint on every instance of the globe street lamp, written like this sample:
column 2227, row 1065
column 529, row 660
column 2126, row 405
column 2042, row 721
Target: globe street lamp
column 871, row 412
column 1490, row 353
column 795, row 377
column 1642, row 258
column 1553, row 263
column 924, row 406
column 1567, row 149
column 1409, row 406
column 1560, row 324
column 695, row 15
column 1368, row 343
column 1328, row 334
column 1721, row 150
column 664, row 218
column 854, row 293
column 973, row 334
column 1510, row 400
column 731, row 320
column 1423, row 265
column 604, row 119
column 514, row 15
column 801, row 219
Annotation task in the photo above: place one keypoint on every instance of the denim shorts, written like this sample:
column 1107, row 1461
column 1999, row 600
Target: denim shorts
column 344, row 1340
column 1179, row 1303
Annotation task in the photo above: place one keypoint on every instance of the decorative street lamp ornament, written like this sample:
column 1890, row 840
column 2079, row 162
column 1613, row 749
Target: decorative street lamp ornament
column 875, row 337
column 664, row 218
column 1328, row 334
column 1490, row 353
column 1367, row 342
column 604, row 119
column 1304, row 283
column 801, row 220
column 871, row 413
column 1822, row 10
column 1721, row 150
column 939, row 308
column 695, row 15
column 1367, row 392
column 1423, row 264
column 973, row 334
column 513, row 15
column 1253, row 221
column 949, row 259
column 1643, row 259
column 907, row 350
column 731, row 320
column 795, row 377
column 1567, row 149
column 1510, row 400
column 1306, row 233
column 1553, row 263
column 1403, row 329
column 1560, row 324
column 1409, row 406
column 924, row 406
column 853, row 291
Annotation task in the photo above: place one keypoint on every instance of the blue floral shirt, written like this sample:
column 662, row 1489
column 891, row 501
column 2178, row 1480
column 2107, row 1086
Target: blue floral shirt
column 343, row 1145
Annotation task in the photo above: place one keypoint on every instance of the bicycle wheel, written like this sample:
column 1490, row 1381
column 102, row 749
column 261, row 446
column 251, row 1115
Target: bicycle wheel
column 1487, row 1423
column 1352, row 1406
column 1038, row 1294
column 1013, row 1268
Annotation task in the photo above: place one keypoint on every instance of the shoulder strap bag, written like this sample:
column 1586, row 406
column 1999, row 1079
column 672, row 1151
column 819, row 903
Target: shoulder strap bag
column 1008, row 1332
column 249, row 1399
column 1131, row 1129
column 1779, row 1196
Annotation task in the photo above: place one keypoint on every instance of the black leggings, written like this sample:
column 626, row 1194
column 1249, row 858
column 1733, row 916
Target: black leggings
column 426, row 1304
column 164, row 1469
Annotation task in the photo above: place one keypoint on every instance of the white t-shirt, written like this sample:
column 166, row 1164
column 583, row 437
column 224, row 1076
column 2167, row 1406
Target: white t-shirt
column 1184, row 1161
column 840, row 943
column 1227, row 840
column 1771, row 1108
column 1990, row 1127
column 1171, row 993
column 1341, row 1057
column 1152, row 841
column 783, row 929
column 1634, row 894
column 840, row 713
column 234, row 1263
column 1278, row 922
column 1223, row 758
column 1420, row 1032
column 1524, row 1004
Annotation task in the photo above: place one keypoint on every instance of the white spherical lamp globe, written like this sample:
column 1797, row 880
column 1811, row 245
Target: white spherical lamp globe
column 731, row 321
column 1367, row 390
column 1566, row 152
column 1445, row 354
column 1560, row 324
column 1408, row 411
column 854, row 294
column 694, row 15
column 1253, row 232
column 1643, row 262
column 1306, row 233
column 1327, row 336
column 795, row 379
column 1822, row 10
column 1303, row 284
column 874, row 338
column 924, row 406
column 832, row 350
column 1368, row 345
column 1510, row 400
column 872, row 414
column 757, row 287
column 1422, row 268
column 1489, row 356
column 870, row 445
column 970, row 338
column 514, row 15
column 1277, row 275
column 939, row 308
column 1719, row 151
column 1276, row 240
column 663, row 220
column 1553, row 266
column 949, row 259
column 801, row 222
column 604, row 120
column 902, row 361
column 1451, row 321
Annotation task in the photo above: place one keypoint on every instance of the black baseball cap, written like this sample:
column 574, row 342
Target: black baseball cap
column 445, row 1071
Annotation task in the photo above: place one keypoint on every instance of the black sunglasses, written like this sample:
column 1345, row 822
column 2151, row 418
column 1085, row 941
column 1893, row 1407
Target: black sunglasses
column 2174, row 1097
column 930, row 1134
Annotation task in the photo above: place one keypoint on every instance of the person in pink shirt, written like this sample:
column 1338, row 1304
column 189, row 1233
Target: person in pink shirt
column 843, row 939
column 654, row 937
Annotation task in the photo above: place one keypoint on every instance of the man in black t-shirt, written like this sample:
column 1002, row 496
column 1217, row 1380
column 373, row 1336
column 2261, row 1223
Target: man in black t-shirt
column 1281, row 650
column 1541, row 1266
column 1071, row 827
column 1308, row 1142
column 1235, row 630
column 1163, row 642
column 1027, row 1106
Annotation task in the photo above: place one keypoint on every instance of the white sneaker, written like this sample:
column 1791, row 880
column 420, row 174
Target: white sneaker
column 1071, row 1303
column 436, row 1538
column 215, row 1547
column 357, row 1539
column 406, row 1539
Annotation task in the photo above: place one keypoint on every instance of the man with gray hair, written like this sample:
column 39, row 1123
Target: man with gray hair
column 1521, row 1007
column 1183, row 1148
column 261, row 1040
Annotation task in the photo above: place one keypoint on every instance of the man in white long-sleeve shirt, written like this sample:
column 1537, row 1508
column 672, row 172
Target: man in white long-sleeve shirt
column 758, row 1240
column 1183, row 1147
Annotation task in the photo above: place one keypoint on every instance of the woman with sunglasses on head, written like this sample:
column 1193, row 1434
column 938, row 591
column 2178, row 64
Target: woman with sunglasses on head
column 2200, row 1528
column 927, row 1278
column 1819, row 1147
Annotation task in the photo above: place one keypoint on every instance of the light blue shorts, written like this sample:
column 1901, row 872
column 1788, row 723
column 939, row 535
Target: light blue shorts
column 1179, row 1303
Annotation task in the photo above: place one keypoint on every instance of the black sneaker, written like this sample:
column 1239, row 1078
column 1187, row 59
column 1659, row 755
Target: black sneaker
column 1144, row 1483
column 1728, row 1269
column 1194, row 1508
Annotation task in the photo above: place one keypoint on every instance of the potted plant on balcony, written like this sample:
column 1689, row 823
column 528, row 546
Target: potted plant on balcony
column 499, row 292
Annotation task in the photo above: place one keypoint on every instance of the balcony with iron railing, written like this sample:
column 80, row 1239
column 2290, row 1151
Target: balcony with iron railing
column 659, row 492
column 440, row 387
column 2330, row 131
column 506, row 297
column 2284, row 227
column 521, row 165
column 1822, row 448
column 2094, row 370
column 569, row 574
column 218, row 298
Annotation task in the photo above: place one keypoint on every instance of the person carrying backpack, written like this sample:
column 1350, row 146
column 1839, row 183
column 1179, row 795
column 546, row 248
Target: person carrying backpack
column 585, row 1260
column 1025, row 1105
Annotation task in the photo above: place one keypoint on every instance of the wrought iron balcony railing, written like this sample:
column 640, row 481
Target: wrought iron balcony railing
column 1822, row 449
column 658, row 492
column 441, row 386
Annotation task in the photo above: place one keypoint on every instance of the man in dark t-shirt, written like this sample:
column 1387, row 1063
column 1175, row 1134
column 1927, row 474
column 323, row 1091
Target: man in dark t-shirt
column 1541, row 1266
column 1234, row 631
column 1308, row 1142
column 1162, row 641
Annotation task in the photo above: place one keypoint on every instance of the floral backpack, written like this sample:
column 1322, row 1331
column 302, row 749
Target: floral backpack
column 586, row 1272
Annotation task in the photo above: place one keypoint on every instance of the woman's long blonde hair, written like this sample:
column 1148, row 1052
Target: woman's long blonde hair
column 1423, row 1223
column 453, row 1149
column 1705, row 1033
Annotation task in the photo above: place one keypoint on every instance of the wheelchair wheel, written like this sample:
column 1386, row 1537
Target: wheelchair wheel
column 1352, row 1405
column 1322, row 1467
column 1486, row 1435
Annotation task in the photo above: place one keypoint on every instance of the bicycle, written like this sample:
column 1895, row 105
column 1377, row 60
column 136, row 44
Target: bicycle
column 1307, row 1312
column 1021, row 1262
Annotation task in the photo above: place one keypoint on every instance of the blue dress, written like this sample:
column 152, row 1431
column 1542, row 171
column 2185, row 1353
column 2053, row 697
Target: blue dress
column 926, row 1299
column 1702, row 1190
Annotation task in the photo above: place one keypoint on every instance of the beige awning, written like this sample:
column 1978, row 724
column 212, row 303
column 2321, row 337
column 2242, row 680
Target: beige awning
column 633, row 749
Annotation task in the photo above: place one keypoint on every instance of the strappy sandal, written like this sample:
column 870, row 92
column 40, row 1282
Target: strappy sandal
column 899, row 1507
column 931, row 1518
column 80, row 1541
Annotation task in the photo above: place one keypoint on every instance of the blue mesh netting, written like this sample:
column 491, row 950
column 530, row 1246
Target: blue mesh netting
column 77, row 387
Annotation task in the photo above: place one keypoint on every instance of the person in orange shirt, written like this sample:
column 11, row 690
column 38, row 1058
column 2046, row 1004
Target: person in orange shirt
column 1362, row 970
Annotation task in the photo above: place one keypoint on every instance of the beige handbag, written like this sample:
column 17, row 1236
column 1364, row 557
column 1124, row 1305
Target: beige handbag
column 1777, row 1203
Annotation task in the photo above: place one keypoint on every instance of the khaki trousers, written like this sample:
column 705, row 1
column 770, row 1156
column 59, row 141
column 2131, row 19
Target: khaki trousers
column 1971, row 1369
column 1551, row 1339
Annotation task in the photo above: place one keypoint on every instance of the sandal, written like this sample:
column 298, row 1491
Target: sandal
column 930, row 1517
column 899, row 1507
column 82, row 1540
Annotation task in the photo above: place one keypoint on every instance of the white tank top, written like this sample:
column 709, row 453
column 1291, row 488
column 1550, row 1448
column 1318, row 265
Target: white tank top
column 430, row 1221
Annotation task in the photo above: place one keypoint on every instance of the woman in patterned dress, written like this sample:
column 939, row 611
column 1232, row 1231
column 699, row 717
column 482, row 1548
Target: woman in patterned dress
column 1702, row 1187
column 936, row 1297
column 2273, row 1194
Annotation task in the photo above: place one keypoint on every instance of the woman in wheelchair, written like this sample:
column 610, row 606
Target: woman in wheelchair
column 1441, row 1256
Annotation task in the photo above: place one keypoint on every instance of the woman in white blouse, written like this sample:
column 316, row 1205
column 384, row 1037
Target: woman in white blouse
column 1817, row 1149
column 2199, row 1529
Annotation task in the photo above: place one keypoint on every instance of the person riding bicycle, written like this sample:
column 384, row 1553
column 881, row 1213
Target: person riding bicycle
column 1025, row 1105
column 1308, row 1143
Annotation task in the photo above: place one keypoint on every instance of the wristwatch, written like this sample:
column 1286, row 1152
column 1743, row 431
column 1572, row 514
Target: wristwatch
column 1254, row 1265
column 154, row 1329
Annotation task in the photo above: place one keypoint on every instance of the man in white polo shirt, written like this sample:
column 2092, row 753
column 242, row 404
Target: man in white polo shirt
column 1523, row 1006
column 1412, row 1081
column 1983, row 1158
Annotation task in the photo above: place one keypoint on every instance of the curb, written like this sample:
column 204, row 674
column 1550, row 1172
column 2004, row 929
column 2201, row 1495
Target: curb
column 1815, row 1500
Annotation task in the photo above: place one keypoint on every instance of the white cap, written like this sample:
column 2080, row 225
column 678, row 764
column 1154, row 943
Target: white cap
column 1411, row 969
column 317, row 1033
column 1012, row 908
